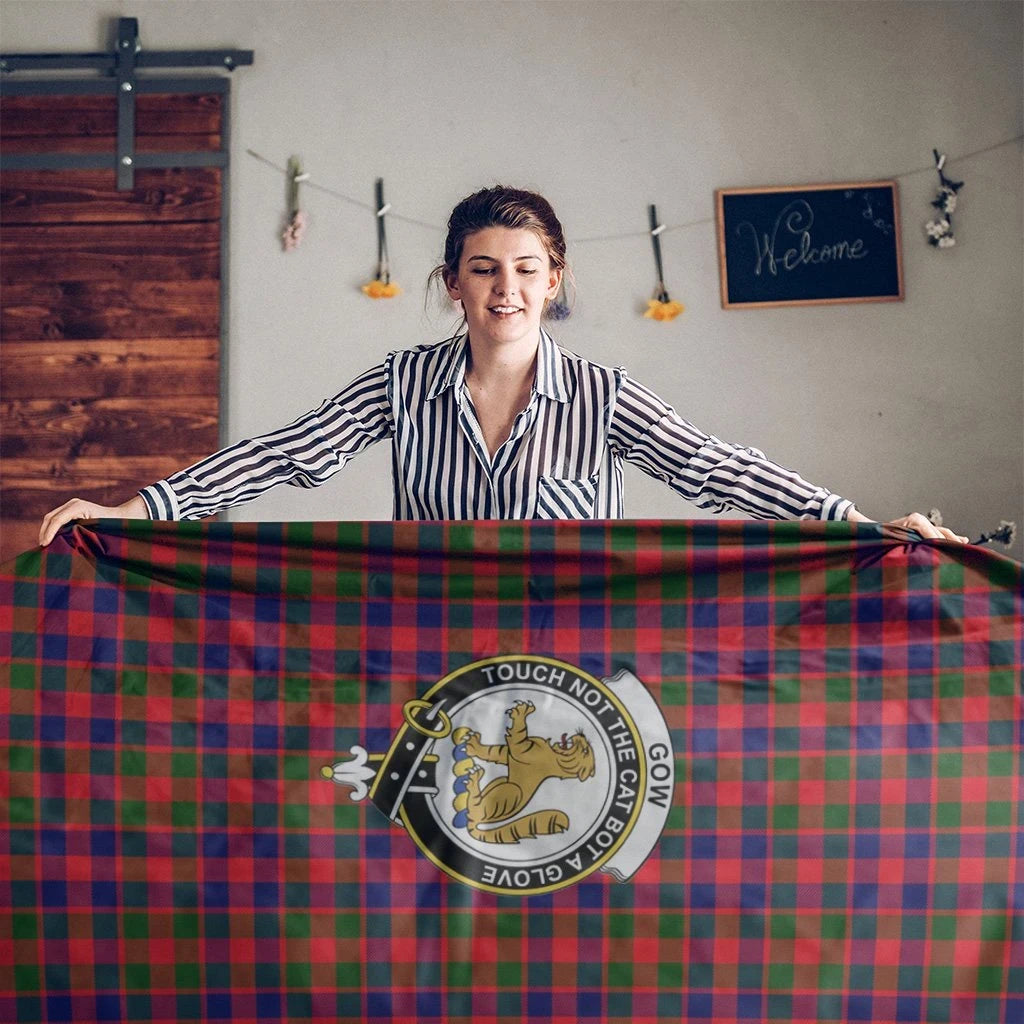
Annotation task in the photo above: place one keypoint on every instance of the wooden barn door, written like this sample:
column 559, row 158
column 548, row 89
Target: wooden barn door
column 111, row 300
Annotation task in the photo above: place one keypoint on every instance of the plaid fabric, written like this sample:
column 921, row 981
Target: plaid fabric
column 844, row 841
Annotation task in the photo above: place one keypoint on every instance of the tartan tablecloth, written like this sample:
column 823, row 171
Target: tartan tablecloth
column 510, row 772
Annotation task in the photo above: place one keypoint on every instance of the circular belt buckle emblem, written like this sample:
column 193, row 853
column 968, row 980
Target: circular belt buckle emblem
column 523, row 774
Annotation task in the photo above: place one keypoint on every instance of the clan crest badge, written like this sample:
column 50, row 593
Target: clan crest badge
column 523, row 774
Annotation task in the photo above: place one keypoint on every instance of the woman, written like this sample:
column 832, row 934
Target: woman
column 497, row 422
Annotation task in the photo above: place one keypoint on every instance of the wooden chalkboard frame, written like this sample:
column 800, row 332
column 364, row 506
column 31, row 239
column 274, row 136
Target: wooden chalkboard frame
column 892, row 252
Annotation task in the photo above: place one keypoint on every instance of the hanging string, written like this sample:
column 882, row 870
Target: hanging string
column 309, row 183
column 613, row 237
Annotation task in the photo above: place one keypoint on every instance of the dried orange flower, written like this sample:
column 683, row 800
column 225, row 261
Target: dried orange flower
column 381, row 290
column 657, row 310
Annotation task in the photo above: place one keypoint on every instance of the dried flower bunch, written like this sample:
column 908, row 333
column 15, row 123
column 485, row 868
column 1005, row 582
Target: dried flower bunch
column 559, row 308
column 381, row 287
column 296, row 227
column 1003, row 533
column 940, row 230
column 661, row 307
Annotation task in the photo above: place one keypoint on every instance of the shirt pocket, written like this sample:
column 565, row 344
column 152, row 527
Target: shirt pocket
column 566, row 498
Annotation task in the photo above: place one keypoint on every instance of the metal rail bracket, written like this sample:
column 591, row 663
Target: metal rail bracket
column 123, row 65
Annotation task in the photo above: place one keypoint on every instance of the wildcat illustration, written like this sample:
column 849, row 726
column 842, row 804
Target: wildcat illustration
column 491, row 811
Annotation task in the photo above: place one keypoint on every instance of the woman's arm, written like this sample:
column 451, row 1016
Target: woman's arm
column 305, row 453
column 718, row 475
column 712, row 473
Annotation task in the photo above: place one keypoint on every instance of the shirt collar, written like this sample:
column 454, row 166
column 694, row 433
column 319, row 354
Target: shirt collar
column 549, row 380
column 451, row 368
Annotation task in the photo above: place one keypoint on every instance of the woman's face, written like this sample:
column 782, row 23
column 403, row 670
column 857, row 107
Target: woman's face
column 504, row 279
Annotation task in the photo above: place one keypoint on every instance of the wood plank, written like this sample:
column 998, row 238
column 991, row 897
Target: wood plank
column 59, row 429
column 198, row 142
column 72, row 477
column 176, row 113
column 78, row 115
column 109, row 297
column 172, row 194
column 18, row 536
column 30, row 487
column 108, row 369
column 95, row 252
column 101, row 309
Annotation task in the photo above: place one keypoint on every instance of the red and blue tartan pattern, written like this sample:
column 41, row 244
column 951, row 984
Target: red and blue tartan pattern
column 845, row 706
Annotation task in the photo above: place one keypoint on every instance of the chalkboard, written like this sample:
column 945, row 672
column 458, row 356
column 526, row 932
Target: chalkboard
column 795, row 245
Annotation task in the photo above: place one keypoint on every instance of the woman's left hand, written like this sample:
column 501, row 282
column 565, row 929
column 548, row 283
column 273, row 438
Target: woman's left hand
column 915, row 521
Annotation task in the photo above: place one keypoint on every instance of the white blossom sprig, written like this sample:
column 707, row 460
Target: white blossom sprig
column 940, row 230
column 1003, row 533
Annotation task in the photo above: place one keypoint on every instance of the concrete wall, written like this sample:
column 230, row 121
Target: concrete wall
column 606, row 107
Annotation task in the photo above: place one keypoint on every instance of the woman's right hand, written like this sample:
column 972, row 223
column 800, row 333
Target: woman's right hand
column 76, row 508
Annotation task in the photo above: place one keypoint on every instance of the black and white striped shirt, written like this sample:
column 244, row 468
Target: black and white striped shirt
column 562, row 460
